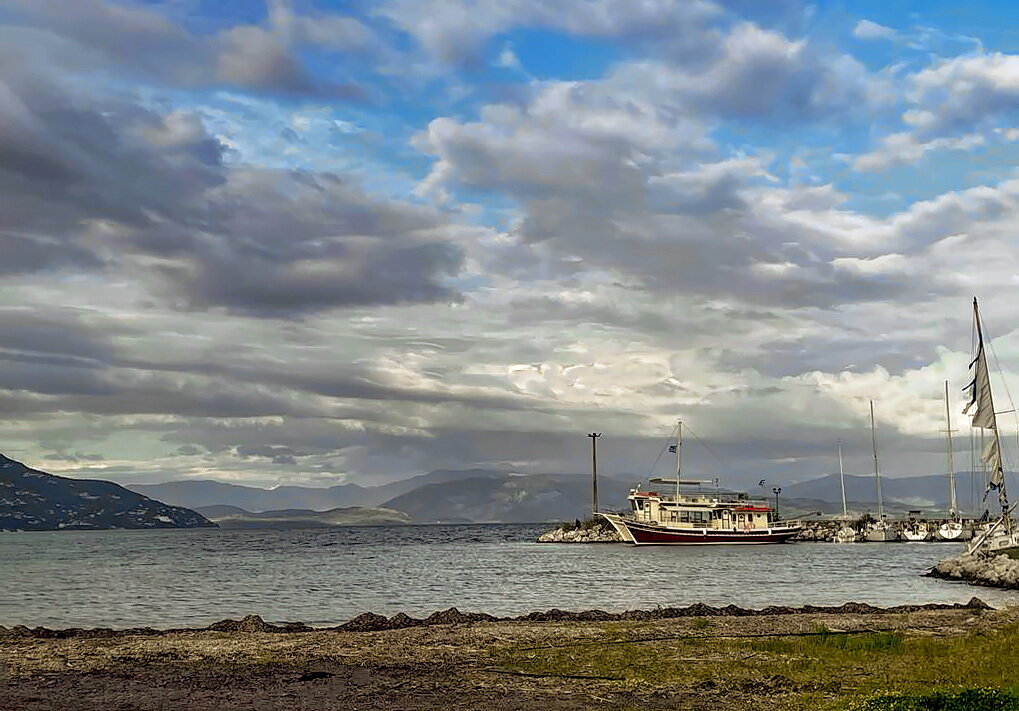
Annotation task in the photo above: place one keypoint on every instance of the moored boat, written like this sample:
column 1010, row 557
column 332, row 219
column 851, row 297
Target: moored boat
column 916, row 531
column 1003, row 535
column 697, row 515
column 705, row 516
column 881, row 532
column 953, row 531
column 845, row 534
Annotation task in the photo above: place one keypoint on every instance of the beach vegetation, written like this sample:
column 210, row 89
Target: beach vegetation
column 818, row 669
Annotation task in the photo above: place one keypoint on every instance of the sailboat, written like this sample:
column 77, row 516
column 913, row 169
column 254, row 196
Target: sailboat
column 1002, row 536
column 881, row 531
column 952, row 529
column 845, row 534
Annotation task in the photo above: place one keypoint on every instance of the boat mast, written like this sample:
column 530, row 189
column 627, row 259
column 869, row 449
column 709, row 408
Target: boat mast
column 985, row 418
column 842, row 480
column 951, row 455
column 679, row 455
column 877, row 475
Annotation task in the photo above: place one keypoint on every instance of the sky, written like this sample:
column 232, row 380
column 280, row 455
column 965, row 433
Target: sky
column 315, row 242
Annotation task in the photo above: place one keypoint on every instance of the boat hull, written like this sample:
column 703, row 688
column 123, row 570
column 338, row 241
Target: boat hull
column 953, row 531
column 881, row 535
column 650, row 535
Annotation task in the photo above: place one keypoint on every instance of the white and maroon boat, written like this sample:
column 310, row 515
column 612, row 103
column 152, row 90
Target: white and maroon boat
column 703, row 516
column 696, row 514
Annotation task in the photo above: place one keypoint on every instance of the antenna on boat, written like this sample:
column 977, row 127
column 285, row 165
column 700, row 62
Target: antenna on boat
column 877, row 475
column 594, row 472
column 842, row 480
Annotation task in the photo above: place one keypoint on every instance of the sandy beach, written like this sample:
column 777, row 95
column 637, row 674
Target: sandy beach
column 720, row 660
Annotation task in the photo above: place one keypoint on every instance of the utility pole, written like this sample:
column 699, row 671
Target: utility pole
column 776, row 490
column 594, row 471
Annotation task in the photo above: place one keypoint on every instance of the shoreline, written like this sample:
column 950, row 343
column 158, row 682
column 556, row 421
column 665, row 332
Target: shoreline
column 372, row 622
column 694, row 657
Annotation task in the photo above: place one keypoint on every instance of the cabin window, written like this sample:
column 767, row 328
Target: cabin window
column 741, row 517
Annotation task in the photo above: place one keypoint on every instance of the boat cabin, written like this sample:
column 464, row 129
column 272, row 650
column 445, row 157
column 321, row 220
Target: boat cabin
column 692, row 505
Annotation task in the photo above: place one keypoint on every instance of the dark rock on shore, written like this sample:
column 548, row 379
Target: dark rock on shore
column 254, row 623
column 32, row 500
column 372, row 622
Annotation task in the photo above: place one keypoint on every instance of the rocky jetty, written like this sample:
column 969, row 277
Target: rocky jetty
column 586, row 532
column 997, row 571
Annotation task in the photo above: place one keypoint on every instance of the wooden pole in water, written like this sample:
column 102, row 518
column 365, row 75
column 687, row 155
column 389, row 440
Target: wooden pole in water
column 594, row 472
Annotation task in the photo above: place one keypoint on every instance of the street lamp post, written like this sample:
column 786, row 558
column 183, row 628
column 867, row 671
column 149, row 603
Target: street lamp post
column 776, row 490
column 594, row 472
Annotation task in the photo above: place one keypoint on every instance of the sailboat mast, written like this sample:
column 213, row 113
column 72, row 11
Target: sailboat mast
column 951, row 455
column 985, row 417
column 877, row 475
column 679, row 455
column 842, row 480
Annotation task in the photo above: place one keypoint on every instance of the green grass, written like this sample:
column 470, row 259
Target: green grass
column 964, row 700
column 880, row 671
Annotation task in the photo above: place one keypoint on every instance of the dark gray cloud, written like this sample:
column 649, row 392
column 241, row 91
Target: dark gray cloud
column 95, row 181
column 146, row 41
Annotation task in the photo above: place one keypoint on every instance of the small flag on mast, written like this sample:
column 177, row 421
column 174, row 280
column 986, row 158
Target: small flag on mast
column 672, row 448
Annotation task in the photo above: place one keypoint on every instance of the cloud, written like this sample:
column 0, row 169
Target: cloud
column 904, row 149
column 963, row 92
column 94, row 181
column 867, row 30
column 97, row 34
column 761, row 73
column 200, row 284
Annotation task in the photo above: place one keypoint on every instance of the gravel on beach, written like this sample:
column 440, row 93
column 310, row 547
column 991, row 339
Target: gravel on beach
column 456, row 661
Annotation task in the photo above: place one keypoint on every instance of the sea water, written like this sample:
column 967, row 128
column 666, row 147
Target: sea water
column 171, row 578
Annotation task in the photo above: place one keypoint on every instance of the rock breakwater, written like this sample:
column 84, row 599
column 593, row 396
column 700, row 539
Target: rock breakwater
column 997, row 571
column 582, row 534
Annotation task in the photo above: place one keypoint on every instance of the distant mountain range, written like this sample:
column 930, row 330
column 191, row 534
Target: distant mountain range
column 32, row 500
column 234, row 517
column 509, row 498
column 195, row 493
column 478, row 495
column 483, row 495
column 910, row 492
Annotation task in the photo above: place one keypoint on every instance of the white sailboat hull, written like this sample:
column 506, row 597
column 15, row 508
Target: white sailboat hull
column 916, row 533
column 953, row 531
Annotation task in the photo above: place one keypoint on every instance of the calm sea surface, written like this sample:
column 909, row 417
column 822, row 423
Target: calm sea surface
column 326, row 576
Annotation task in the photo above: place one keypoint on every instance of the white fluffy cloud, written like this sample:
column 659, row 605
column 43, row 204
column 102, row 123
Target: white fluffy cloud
column 868, row 30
